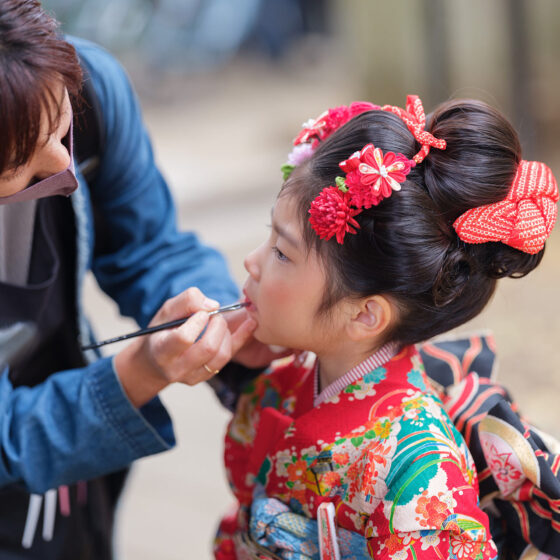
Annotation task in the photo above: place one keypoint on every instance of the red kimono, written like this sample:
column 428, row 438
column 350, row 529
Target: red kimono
column 376, row 443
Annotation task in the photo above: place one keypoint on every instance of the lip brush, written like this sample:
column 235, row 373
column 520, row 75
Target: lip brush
column 163, row 326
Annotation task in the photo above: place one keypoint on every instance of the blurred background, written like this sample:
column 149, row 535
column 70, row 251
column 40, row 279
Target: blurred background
column 243, row 75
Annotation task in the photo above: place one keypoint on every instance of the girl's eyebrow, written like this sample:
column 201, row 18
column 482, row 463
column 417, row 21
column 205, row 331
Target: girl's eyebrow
column 282, row 232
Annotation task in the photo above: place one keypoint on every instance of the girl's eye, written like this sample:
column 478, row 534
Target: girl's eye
column 279, row 255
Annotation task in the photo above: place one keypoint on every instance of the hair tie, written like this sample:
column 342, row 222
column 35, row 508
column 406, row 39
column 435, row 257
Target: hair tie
column 415, row 120
column 523, row 220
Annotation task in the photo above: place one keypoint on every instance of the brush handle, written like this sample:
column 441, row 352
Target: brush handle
column 163, row 326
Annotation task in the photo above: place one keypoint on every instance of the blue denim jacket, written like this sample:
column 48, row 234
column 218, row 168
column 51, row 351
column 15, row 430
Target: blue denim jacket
column 79, row 424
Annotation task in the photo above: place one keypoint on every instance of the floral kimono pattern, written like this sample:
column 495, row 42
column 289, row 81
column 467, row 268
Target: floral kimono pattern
column 382, row 450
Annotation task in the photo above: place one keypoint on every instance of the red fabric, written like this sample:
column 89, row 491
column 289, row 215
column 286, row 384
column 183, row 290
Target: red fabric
column 524, row 219
column 415, row 120
column 271, row 426
column 382, row 451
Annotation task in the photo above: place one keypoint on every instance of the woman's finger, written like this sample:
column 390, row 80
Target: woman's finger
column 207, row 345
column 171, row 344
column 219, row 360
column 242, row 334
column 236, row 318
column 183, row 304
column 213, row 350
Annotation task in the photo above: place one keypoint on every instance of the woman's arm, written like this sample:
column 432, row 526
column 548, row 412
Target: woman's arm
column 83, row 423
column 76, row 425
column 140, row 257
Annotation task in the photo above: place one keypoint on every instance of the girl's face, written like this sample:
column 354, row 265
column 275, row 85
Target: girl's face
column 286, row 285
column 50, row 156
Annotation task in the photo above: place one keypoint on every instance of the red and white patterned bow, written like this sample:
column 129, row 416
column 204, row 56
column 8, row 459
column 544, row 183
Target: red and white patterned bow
column 524, row 219
column 415, row 120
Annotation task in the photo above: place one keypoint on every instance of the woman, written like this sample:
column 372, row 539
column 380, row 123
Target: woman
column 66, row 415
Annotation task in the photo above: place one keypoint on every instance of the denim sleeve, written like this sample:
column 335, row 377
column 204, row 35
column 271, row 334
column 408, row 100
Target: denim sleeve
column 76, row 425
column 143, row 258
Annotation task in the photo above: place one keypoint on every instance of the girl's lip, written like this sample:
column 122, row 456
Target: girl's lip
column 249, row 302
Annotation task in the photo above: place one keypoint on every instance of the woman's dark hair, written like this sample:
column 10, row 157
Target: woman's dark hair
column 406, row 247
column 33, row 58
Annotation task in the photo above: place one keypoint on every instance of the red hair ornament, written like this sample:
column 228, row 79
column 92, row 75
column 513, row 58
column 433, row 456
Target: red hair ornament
column 319, row 129
column 415, row 120
column 331, row 214
column 371, row 176
column 523, row 220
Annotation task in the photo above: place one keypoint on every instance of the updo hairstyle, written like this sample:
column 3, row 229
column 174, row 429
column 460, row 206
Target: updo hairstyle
column 406, row 247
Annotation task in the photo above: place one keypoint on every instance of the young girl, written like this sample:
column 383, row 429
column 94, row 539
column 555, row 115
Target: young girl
column 388, row 230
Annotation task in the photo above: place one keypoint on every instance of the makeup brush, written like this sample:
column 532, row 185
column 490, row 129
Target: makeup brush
column 163, row 326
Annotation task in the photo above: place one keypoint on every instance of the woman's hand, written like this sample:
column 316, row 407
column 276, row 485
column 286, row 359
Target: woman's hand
column 187, row 354
column 254, row 354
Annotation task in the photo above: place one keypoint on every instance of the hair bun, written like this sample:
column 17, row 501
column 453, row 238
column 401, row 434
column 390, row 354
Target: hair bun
column 452, row 277
column 498, row 260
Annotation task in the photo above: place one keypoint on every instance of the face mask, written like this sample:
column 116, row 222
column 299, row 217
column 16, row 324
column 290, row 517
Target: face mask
column 63, row 182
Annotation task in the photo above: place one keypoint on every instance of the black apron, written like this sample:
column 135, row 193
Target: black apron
column 48, row 302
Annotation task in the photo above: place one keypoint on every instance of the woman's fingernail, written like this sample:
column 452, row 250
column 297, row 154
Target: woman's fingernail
column 276, row 349
column 210, row 304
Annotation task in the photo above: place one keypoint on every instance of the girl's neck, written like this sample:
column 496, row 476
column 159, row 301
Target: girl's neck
column 335, row 365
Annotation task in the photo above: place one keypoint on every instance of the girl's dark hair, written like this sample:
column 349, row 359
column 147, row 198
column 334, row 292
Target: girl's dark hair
column 406, row 247
column 33, row 57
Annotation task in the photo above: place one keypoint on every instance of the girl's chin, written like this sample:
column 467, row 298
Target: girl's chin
column 266, row 338
column 276, row 344
column 276, row 348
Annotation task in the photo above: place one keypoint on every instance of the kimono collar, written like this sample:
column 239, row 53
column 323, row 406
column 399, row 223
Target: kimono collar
column 377, row 359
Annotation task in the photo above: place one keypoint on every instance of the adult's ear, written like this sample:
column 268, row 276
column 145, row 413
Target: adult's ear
column 373, row 316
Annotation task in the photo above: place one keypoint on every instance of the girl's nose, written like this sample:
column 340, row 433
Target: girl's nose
column 251, row 264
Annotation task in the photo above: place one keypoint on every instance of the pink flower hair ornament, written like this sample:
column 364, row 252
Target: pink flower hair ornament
column 319, row 129
column 371, row 176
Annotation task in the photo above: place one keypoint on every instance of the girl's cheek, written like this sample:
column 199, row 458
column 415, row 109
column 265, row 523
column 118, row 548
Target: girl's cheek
column 280, row 294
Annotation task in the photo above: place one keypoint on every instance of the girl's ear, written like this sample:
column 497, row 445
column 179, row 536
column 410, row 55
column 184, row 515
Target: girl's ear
column 373, row 317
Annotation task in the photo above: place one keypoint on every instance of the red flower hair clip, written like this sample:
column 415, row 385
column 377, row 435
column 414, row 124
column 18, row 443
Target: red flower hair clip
column 330, row 120
column 319, row 129
column 371, row 176
column 331, row 214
